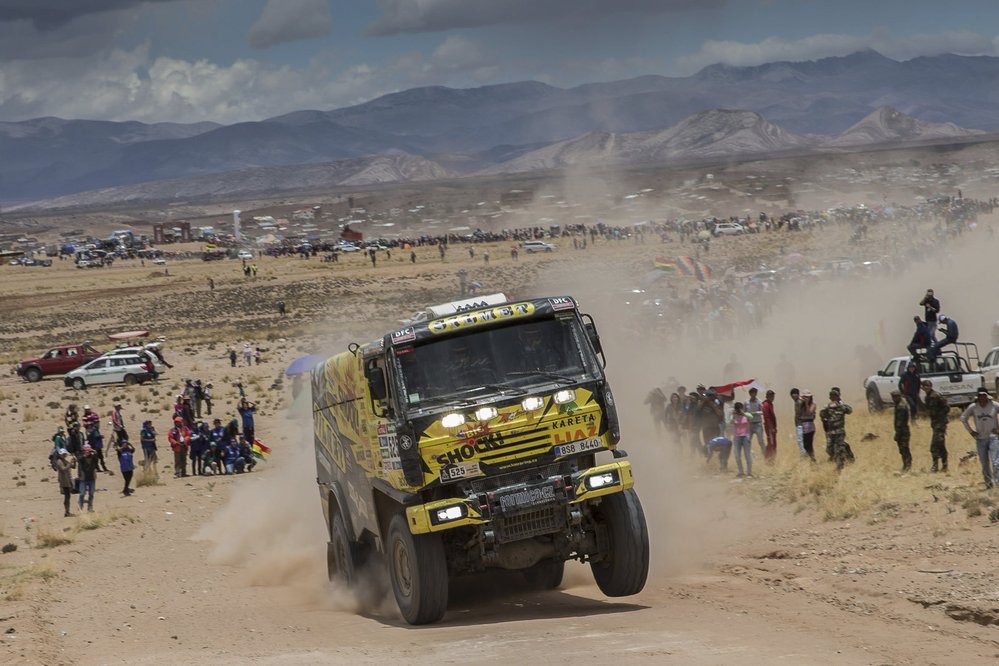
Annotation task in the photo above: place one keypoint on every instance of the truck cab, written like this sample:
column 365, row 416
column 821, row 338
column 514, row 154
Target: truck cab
column 469, row 441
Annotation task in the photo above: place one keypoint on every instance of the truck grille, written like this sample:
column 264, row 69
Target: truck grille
column 534, row 522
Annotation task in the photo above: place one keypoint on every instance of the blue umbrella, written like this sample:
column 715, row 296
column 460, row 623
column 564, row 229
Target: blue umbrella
column 304, row 364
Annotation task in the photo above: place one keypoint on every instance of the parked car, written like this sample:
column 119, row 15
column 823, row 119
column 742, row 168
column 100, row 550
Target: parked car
column 159, row 261
column 538, row 246
column 146, row 351
column 56, row 361
column 729, row 229
column 109, row 370
column 348, row 247
column 990, row 369
column 245, row 255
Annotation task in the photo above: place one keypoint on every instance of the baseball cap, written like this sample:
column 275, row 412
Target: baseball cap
column 63, row 452
column 87, row 447
column 60, row 429
column 806, row 394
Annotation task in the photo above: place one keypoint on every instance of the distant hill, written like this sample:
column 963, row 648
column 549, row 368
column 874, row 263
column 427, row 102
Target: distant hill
column 245, row 182
column 888, row 125
column 476, row 129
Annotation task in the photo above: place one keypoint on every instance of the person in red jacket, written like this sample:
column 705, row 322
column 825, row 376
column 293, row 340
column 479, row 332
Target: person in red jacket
column 180, row 439
column 770, row 427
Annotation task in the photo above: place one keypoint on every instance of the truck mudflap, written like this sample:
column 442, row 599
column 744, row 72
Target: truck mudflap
column 582, row 486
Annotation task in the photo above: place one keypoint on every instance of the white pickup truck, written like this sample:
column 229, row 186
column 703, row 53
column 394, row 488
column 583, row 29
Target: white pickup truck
column 950, row 373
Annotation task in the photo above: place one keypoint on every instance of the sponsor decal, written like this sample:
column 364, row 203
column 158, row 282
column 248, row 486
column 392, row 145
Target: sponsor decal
column 406, row 442
column 568, row 408
column 460, row 471
column 471, row 306
column 562, row 303
column 405, row 335
column 470, row 449
column 463, row 321
column 389, row 448
column 578, row 420
column 527, row 497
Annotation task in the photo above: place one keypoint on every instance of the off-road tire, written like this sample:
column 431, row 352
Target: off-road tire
column 623, row 570
column 874, row 403
column 33, row 375
column 418, row 571
column 79, row 384
column 343, row 556
column 545, row 575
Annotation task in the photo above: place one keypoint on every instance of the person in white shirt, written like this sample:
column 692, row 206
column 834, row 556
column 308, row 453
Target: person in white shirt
column 754, row 409
column 986, row 433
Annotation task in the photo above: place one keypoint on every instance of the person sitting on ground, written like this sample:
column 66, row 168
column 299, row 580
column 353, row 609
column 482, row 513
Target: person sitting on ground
column 246, row 459
column 230, row 454
column 210, row 459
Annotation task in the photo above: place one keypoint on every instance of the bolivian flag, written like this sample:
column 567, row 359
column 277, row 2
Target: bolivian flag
column 261, row 451
column 668, row 265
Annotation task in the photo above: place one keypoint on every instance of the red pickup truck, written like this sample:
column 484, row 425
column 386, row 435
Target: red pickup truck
column 56, row 361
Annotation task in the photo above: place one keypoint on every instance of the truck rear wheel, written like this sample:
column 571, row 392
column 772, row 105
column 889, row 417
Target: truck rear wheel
column 342, row 555
column 418, row 571
column 874, row 404
column 625, row 567
column 545, row 575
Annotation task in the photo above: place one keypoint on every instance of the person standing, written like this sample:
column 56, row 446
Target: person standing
column 208, row 398
column 147, row 438
column 909, row 384
column 64, row 465
column 88, row 477
column 90, row 418
column 937, row 409
column 232, row 356
column 180, row 440
column 806, row 415
column 96, row 441
column 199, row 397
column 58, row 443
column 985, row 432
column 931, row 308
column 246, row 410
column 118, row 423
column 834, row 420
column 741, row 426
column 770, row 427
column 126, row 462
column 902, row 418
column 754, row 409
column 247, row 353
column 656, row 400
column 798, row 431
column 72, row 414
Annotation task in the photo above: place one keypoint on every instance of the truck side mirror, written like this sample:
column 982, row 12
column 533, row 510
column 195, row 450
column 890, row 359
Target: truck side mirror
column 376, row 383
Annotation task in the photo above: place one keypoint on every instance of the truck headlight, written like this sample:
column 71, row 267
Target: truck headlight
column 449, row 514
column 602, row 480
column 565, row 396
column 452, row 420
column 485, row 413
column 533, row 403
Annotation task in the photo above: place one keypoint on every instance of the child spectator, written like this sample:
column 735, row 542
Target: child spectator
column 126, row 462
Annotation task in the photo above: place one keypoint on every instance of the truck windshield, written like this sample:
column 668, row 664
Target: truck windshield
column 510, row 359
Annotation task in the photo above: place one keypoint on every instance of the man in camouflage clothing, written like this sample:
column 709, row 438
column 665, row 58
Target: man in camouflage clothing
column 937, row 408
column 902, row 417
column 833, row 418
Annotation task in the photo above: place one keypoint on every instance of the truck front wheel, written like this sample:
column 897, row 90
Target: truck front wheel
column 418, row 571
column 624, row 568
column 33, row 374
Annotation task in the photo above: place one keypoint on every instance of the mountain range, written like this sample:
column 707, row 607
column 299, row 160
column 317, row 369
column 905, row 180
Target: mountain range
column 830, row 103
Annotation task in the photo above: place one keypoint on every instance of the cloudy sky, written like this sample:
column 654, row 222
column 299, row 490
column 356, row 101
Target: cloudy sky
column 236, row 60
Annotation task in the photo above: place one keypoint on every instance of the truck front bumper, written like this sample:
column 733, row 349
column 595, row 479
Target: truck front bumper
column 522, row 499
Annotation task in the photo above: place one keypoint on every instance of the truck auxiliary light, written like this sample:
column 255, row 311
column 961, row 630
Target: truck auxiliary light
column 452, row 420
column 450, row 513
column 565, row 396
column 531, row 404
column 485, row 413
column 601, row 480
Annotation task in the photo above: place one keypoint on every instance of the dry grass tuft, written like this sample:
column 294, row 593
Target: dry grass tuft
column 47, row 539
column 873, row 484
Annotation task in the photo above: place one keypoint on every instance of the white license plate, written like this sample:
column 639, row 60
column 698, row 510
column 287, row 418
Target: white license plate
column 582, row 445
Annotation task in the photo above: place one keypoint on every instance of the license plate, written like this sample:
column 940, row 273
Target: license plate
column 582, row 445
column 460, row 471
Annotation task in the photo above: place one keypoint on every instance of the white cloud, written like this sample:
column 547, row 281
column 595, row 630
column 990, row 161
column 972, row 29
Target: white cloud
column 398, row 16
column 130, row 85
column 284, row 21
column 827, row 45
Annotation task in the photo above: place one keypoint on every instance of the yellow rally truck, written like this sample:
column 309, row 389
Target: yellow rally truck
column 468, row 440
